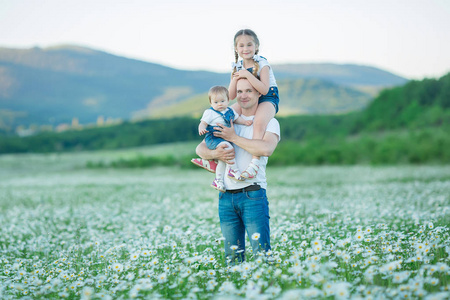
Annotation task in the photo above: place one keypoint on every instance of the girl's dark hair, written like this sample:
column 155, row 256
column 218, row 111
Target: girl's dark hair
column 253, row 35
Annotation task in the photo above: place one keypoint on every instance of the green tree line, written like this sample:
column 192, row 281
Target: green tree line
column 125, row 135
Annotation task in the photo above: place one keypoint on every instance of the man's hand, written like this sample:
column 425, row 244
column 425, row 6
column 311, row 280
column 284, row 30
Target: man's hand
column 224, row 154
column 227, row 133
column 220, row 153
column 256, row 147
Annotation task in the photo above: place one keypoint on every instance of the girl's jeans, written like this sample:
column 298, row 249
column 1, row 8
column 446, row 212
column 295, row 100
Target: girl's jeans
column 240, row 212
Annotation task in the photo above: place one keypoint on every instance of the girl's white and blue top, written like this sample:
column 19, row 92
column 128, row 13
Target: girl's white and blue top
column 272, row 95
column 262, row 61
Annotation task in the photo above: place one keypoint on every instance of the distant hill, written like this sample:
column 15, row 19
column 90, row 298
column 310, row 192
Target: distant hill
column 415, row 105
column 345, row 74
column 316, row 96
column 54, row 85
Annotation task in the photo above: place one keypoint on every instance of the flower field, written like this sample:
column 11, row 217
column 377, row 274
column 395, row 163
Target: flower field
column 356, row 232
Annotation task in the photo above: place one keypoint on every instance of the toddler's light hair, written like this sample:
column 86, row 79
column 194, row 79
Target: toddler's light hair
column 253, row 35
column 217, row 90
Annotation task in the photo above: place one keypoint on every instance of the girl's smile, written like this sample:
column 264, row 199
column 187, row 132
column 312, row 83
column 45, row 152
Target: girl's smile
column 246, row 47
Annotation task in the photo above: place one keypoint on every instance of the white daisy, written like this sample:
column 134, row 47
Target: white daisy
column 256, row 236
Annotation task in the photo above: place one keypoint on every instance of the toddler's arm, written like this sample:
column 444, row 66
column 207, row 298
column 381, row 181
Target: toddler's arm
column 242, row 121
column 202, row 128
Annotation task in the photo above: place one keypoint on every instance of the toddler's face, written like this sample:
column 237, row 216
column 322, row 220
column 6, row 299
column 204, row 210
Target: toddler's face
column 245, row 46
column 219, row 102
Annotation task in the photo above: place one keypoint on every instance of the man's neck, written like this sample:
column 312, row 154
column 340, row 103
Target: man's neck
column 249, row 111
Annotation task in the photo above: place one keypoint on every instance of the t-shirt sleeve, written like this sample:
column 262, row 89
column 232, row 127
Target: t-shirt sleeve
column 207, row 116
column 274, row 127
column 263, row 63
column 236, row 115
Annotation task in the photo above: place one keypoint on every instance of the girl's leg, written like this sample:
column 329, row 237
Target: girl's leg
column 264, row 113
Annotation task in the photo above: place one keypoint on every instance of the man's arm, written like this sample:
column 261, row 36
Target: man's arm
column 263, row 147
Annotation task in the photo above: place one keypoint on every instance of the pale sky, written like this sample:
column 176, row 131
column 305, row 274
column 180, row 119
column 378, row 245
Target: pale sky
column 410, row 38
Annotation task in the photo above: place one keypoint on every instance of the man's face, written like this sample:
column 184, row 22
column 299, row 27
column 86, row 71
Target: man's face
column 247, row 96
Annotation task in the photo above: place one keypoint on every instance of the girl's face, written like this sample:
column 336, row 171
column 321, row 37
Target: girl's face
column 246, row 47
column 219, row 102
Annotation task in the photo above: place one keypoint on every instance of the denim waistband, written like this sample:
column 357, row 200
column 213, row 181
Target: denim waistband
column 253, row 187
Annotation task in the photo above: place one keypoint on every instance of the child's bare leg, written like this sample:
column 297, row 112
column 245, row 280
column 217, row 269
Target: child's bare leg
column 264, row 113
column 218, row 182
column 232, row 162
column 220, row 170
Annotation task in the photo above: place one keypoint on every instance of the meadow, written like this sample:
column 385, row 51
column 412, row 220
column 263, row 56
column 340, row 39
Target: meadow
column 337, row 232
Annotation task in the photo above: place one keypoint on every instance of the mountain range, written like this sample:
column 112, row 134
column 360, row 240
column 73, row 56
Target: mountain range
column 50, row 86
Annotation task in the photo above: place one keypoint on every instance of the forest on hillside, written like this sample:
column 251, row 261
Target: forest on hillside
column 405, row 124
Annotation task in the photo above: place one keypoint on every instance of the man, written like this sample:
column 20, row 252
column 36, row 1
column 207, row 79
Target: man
column 244, row 206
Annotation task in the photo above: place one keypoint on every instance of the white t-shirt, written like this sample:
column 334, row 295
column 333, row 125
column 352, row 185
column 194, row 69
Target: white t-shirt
column 212, row 118
column 243, row 158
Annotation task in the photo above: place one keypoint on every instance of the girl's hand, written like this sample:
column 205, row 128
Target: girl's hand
column 202, row 131
column 243, row 73
column 248, row 122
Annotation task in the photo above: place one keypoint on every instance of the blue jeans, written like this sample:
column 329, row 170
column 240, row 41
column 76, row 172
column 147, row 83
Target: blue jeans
column 240, row 212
